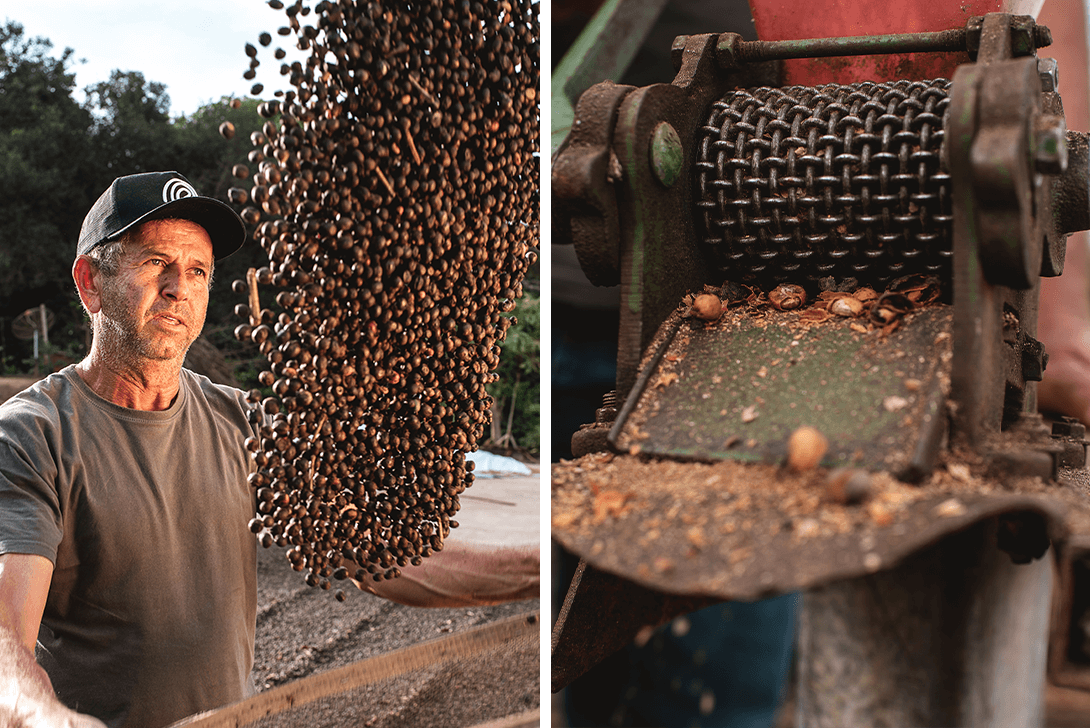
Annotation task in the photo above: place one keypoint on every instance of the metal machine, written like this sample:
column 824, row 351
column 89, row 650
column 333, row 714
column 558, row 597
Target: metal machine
column 936, row 205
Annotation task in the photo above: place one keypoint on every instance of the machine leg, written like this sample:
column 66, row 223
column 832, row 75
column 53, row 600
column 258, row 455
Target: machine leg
column 955, row 635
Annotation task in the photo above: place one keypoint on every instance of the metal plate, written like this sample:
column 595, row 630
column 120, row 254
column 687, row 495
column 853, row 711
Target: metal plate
column 746, row 531
column 738, row 388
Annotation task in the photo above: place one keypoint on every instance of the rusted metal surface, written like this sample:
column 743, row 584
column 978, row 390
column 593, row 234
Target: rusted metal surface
column 658, row 260
column 1070, row 200
column 734, row 52
column 679, row 511
column 745, row 532
column 618, row 166
column 585, row 211
column 953, row 636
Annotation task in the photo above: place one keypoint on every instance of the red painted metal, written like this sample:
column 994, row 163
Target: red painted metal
column 795, row 20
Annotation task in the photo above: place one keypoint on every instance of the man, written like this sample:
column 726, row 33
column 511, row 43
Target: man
column 125, row 556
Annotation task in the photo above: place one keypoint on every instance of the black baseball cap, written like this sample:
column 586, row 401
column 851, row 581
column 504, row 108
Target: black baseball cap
column 138, row 198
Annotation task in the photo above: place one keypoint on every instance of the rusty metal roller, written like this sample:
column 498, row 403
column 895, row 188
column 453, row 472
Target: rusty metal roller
column 836, row 180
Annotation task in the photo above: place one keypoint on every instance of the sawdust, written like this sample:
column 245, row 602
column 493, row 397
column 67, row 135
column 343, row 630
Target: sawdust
column 725, row 495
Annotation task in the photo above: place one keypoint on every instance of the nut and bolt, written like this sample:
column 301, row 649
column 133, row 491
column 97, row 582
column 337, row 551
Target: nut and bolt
column 1048, row 70
column 1050, row 145
column 608, row 411
column 1068, row 427
column 667, row 154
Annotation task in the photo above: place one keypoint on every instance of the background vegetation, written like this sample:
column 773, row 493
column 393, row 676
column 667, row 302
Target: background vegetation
column 57, row 155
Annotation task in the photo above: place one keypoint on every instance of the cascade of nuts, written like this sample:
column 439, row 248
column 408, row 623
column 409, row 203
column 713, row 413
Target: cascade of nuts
column 397, row 199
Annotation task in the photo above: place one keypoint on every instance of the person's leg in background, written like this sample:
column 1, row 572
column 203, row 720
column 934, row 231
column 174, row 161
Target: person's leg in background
column 1064, row 322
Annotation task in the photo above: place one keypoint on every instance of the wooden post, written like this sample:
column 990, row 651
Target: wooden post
column 45, row 339
column 955, row 635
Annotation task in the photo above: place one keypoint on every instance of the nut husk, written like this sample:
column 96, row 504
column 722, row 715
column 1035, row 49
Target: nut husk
column 787, row 297
column 848, row 486
column 846, row 306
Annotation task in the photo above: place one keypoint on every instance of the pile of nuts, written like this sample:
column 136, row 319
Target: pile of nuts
column 883, row 311
column 397, row 199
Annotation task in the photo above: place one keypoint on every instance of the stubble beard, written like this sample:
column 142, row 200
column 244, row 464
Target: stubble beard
column 128, row 341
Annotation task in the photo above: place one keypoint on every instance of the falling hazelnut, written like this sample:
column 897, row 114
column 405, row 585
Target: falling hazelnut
column 707, row 306
column 805, row 448
column 227, row 130
column 787, row 297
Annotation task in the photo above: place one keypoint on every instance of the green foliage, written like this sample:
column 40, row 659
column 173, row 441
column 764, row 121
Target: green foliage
column 57, row 156
column 131, row 132
column 517, row 392
column 44, row 171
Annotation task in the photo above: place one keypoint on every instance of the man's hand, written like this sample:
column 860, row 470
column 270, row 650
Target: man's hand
column 33, row 714
column 26, row 695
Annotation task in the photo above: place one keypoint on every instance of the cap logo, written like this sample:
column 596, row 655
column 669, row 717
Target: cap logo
column 177, row 189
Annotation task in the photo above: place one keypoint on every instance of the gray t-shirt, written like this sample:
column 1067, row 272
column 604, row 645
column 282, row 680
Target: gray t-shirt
column 151, row 611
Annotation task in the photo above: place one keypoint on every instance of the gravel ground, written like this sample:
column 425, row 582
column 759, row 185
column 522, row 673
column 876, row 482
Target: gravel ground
column 303, row 631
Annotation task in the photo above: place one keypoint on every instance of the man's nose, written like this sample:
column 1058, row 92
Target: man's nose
column 173, row 284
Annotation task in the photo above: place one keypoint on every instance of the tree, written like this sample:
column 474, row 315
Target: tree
column 132, row 132
column 45, row 175
column 516, row 413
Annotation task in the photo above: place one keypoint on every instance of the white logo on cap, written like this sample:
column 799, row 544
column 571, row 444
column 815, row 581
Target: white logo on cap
column 177, row 189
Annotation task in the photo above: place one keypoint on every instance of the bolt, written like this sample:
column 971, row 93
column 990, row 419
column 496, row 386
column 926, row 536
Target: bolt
column 608, row 411
column 1047, row 69
column 728, row 51
column 1068, row 427
column 1042, row 36
column 667, row 156
column 1050, row 145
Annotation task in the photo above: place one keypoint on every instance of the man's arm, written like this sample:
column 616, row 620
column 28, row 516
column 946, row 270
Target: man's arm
column 26, row 695
column 491, row 558
column 465, row 575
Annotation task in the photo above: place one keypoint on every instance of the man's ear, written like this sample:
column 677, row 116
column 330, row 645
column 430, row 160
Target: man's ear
column 87, row 278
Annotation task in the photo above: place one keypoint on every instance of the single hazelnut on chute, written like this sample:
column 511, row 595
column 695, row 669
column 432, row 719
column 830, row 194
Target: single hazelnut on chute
column 707, row 306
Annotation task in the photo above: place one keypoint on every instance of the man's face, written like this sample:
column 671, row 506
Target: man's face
column 155, row 307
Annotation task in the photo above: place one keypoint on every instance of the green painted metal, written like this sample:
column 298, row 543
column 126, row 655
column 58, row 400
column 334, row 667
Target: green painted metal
column 602, row 52
column 667, row 154
column 738, row 390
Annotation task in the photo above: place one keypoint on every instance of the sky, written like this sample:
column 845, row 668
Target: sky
column 195, row 48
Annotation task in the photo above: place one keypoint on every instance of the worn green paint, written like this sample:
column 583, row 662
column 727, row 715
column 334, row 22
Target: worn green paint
column 643, row 218
column 602, row 52
column 667, row 156
column 826, row 376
